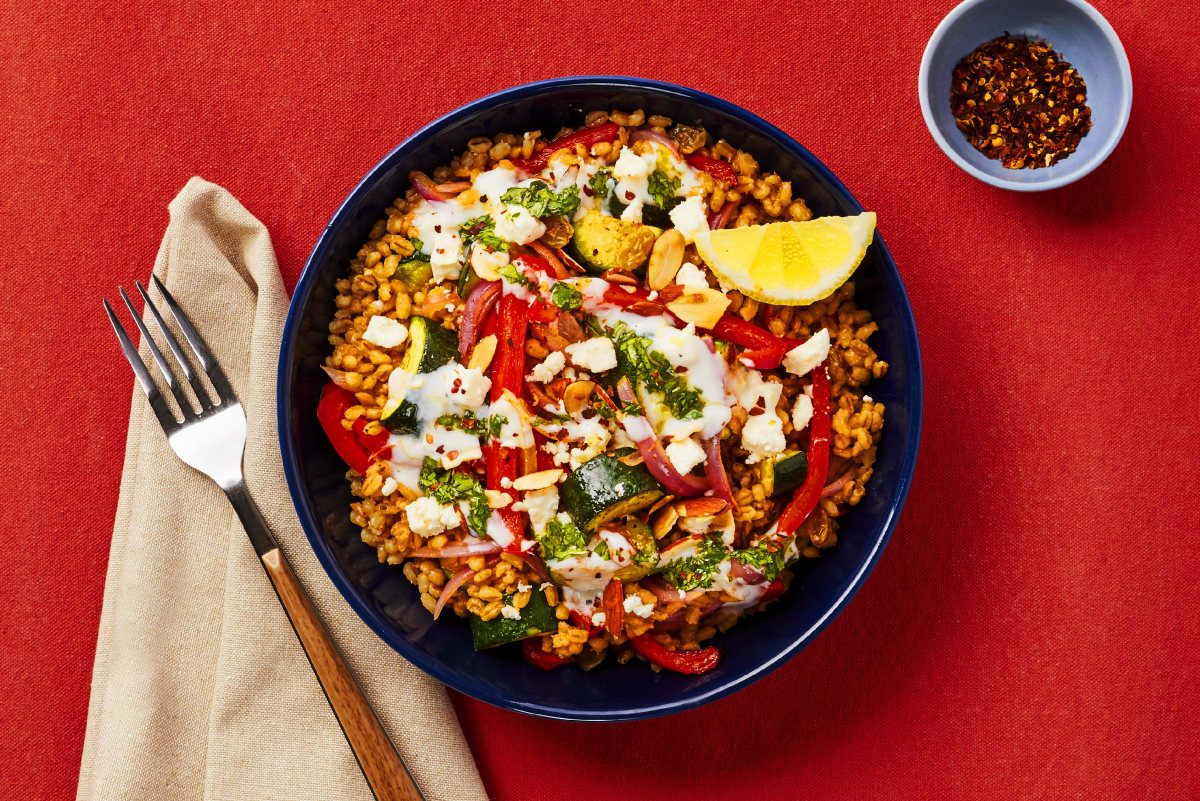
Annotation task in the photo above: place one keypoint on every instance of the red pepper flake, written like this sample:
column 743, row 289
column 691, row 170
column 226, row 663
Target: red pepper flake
column 1019, row 102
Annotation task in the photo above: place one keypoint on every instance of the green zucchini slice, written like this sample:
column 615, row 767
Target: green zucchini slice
column 536, row 618
column 414, row 272
column 790, row 470
column 429, row 347
column 645, row 557
column 605, row 488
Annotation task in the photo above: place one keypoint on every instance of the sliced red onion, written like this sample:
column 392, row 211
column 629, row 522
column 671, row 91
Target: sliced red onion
column 661, row 138
column 666, row 593
column 747, row 573
column 479, row 303
column 535, row 563
column 835, row 487
column 641, row 432
column 425, row 187
column 453, row 187
column 714, row 468
column 338, row 377
column 676, row 621
column 717, row 219
column 460, row 578
column 456, row 549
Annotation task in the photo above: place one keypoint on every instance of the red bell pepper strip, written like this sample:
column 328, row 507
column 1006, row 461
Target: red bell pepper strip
column 805, row 499
column 331, row 410
column 582, row 622
column 586, row 137
column 614, row 607
column 535, row 656
column 774, row 590
column 508, row 372
column 689, row 662
column 372, row 442
column 721, row 170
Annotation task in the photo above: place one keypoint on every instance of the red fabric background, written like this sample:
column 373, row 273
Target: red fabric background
column 1032, row 631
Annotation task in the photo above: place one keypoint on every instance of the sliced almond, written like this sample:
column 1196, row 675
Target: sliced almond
column 539, row 480
column 660, row 503
column 665, row 258
column 700, row 507
column 619, row 277
column 663, row 521
column 482, row 353
column 497, row 499
column 485, row 265
column 703, row 307
column 575, row 395
column 631, row 459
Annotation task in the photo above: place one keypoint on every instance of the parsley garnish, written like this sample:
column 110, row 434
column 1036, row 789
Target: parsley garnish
column 655, row 372
column 695, row 572
column 602, row 550
column 470, row 423
column 662, row 188
column 766, row 560
column 550, row 419
column 599, row 182
column 481, row 229
column 513, row 276
column 562, row 540
column 447, row 486
column 542, row 201
column 566, row 297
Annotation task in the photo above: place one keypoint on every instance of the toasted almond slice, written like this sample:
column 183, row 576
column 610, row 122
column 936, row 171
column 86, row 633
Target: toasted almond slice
column 539, row 480
column 665, row 259
column 663, row 521
column 575, row 395
column 703, row 307
column 700, row 507
column 631, row 459
column 498, row 499
column 482, row 353
column 660, row 503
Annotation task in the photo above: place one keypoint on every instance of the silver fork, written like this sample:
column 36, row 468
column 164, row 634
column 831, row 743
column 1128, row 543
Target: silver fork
column 212, row 440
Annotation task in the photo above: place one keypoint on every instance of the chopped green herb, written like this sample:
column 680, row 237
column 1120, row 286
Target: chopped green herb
column 472, row 424
column 599, row 183
column 513, row 276
column 765, row 559
column 662, row 188
column 481, row 229
column 550, row 419
column 602, row 550
column 654, row 371
column 566, row 297
column 447, row 486
column 562, row 540
column 542, row 201
column 695, row 572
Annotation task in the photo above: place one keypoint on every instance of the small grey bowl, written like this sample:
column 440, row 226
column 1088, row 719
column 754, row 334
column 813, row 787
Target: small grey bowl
column 1073, row 28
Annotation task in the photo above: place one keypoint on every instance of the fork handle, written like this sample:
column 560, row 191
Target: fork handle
column 385, row 771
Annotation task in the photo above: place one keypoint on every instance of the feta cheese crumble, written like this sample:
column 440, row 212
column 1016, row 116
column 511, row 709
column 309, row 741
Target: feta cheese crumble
column 804, row 357
column 511, row 612
column 515, row 224
column 690, row 275
column 596, row 354
column 385, row 332
column 635, row 605
column 429, row 518
column 544, row 371
column 685, row 454
column 689, row 219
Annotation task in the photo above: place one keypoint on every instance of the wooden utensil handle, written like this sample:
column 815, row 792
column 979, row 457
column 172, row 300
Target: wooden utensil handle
column 385, row 771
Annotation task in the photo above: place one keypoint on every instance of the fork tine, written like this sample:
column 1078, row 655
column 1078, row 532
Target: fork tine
column 172, row 343
column 207, row 361
column 165, row 418
column 185, row 405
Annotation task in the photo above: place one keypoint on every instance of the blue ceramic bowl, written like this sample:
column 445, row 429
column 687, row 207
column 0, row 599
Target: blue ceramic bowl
column 384, row 598
column 1074, row 29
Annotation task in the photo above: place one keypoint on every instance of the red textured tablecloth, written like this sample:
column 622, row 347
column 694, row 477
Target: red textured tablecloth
column 1031, row 631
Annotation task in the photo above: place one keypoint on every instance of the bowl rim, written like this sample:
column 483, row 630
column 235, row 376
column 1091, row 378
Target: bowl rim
column 469, row 685
column 938, row 38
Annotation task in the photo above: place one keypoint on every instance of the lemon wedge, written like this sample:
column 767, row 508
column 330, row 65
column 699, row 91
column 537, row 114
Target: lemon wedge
column 788, row 263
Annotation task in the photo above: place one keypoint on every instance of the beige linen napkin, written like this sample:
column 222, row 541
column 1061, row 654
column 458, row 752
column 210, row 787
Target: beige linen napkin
column 200, row 689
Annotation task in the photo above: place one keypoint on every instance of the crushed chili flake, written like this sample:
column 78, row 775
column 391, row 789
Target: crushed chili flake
column 1019, row 102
